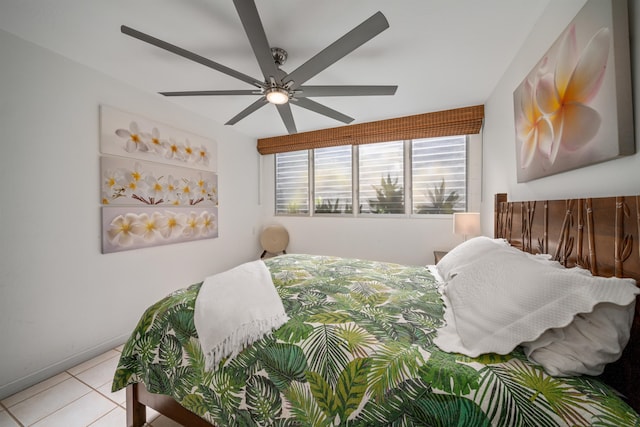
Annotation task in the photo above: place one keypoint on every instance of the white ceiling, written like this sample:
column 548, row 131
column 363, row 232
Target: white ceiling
column 441, row 53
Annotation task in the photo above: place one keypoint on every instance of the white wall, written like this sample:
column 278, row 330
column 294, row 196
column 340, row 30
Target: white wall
column 61, row 300
column 403, row 240
column 616, row 177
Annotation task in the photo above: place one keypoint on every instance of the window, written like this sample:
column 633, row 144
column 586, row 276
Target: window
column 292, row 183
column 418, row 177
column 381, row 178
column 332, row 179
column 439, row 173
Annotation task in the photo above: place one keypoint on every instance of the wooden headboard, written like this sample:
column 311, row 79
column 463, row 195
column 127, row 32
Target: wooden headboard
column 599, row 234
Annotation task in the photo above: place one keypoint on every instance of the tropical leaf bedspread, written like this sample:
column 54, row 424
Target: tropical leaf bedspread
column 357, row 351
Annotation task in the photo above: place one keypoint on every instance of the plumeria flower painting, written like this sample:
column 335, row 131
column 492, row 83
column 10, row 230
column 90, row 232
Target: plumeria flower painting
column 567, row 108
column 159, row 184
column 127, row 229
column 132, row 135
column 131, row 182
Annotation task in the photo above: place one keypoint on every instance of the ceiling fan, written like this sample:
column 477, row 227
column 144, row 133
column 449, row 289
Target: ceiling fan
column 278, row 86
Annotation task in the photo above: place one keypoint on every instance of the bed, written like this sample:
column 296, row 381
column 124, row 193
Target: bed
column 361, row 344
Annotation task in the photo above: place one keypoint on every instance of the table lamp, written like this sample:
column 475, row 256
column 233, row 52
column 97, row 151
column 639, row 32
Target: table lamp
column 466, row 223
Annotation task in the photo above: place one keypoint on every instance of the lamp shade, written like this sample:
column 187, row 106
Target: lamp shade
column 466, row 223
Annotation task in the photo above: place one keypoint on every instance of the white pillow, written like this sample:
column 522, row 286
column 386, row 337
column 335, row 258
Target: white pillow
column 507, row 297
column 585, row 346
column 467, row 252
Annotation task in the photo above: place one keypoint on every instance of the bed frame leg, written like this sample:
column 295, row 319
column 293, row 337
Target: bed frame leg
column 136, row 411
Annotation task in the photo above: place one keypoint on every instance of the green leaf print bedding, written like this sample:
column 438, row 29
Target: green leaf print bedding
column 357, row 351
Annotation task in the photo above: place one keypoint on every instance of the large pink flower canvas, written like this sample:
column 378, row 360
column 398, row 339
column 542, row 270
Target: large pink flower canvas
column 574, row 108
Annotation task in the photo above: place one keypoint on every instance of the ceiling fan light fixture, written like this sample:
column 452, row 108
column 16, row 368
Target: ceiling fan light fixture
column 277, row 95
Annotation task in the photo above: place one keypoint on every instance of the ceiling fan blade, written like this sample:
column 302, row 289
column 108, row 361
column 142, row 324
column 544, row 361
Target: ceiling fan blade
column 212, row 92
column 338, row 49
column 324, row 110
column 287, row 117
column 250, row 109
column 189, row 55
column 257, row 38
column 306, row 91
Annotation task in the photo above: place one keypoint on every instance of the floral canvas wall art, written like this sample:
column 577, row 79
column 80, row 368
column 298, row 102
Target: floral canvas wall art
column 135, row 136
column 158, row 183
column 574, row 108
column 126, row 228
column 132, row 182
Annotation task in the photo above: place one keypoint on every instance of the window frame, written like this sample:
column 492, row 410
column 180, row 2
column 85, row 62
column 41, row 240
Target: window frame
column 407, row 185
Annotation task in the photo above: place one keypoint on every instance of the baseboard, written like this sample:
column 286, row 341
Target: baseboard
column 20, row 384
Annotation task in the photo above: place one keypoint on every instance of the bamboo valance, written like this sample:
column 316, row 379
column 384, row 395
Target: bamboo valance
column 460, row 121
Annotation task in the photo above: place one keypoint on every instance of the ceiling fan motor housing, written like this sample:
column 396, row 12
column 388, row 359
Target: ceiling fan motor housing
column 279, row 55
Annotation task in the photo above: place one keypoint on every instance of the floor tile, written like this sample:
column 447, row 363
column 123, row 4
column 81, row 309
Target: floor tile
column 79, row 397
column 120, row 396
column 152, row 414
column 6, row 420
column 79, row 413
column 48, row 401
column 101, row 373
column 32, row 391
column 115, row 418
column 93, row 362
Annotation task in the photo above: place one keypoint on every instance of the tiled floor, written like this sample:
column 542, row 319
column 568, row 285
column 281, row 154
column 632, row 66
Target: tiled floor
column 79, row 397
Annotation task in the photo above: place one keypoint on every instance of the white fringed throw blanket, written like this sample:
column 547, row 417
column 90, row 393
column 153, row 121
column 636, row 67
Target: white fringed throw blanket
column 235, row 308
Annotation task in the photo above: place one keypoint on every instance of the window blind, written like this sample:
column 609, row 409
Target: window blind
column 420, row 177
column 439, row 172
column 292, row 183
column 332, row 180
column 381, row 178
column 461, row 121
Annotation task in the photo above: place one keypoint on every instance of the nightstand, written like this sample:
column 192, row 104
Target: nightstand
column 437, row 255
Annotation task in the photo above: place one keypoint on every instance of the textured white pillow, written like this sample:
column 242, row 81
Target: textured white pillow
column 587, row 344
column 508, row 298
column 467, row 252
